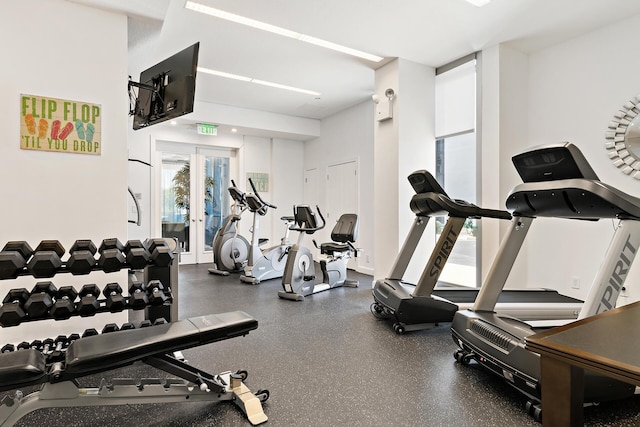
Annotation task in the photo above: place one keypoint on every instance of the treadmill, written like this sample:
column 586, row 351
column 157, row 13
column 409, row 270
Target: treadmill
column 424, row 306
column 559, row 183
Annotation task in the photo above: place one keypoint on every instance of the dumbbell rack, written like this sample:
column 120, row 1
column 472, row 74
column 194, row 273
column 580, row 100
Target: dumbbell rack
column 56, row 364
column 164, row 271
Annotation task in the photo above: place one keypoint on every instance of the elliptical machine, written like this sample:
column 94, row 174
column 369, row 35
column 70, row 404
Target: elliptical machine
column 298, row 280
column 270, row 263
column 230, row 250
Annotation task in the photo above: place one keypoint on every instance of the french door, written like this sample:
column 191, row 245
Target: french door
column 192, row 197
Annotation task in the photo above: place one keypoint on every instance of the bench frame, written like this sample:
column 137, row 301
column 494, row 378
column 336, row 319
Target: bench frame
column 158, row 346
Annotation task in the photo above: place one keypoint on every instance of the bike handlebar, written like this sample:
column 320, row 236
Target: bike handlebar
column 255, row 192
column 311, row 230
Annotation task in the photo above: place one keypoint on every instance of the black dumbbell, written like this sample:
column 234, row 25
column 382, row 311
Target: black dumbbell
column 161, row 255
column 64, row 306
column 56, row 353
column 136, row 254
column 13, row 258
column 110, row 327
column 155, row 292
column 7, row 348
column 48, row 345
column 115, row 301
column 159, row 321
column 89, row 332
column 81, row 260
column 111, row 257
column 127, row 326
column 12, row 310
column 36, row 345
column 88, row 304
column 46, row 260
column 40, row 300
column 145, row 324
column 24, row 345
column 138, row 298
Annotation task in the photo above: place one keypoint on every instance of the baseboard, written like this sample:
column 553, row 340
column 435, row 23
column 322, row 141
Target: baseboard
column 365, row 270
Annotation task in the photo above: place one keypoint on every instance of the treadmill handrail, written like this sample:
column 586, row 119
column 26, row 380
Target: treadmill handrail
column 432, row 204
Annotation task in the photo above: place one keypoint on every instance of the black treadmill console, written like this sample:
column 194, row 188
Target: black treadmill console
column 423, row 182
column 553, row 162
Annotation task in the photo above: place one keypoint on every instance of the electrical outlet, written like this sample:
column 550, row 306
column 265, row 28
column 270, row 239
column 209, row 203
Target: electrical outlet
column 575, row 282
column 624, row 293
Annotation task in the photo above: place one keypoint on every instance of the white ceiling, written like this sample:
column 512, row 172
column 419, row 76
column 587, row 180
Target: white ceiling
column 431, row 32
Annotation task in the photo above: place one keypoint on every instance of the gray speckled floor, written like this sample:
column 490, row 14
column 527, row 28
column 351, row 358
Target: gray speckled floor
column 326, row 362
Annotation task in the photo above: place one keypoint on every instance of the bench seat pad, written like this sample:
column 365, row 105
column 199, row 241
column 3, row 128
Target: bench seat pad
column 19, row 367
column 107, row 351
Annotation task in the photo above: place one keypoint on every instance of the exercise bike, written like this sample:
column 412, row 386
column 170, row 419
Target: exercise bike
column 269, row 263
column 298, row 280
column 230, row 250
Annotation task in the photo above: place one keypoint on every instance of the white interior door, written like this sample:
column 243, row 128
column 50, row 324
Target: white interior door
column 192, row 196
column 342, row 194
column 213, row 177
column 342, row 190
column 311, row 187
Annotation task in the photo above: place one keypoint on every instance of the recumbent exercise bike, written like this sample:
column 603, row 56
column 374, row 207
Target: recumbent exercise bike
column 298, row 280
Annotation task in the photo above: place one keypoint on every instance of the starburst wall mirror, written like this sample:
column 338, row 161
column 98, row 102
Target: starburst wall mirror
column 623, row 138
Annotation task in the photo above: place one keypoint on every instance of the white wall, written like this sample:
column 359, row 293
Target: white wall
column 504, row 75
column 286, row 182
column 574, row 90
column 386, row 182
column 416, row 146
column 282, row 161
column 347, row 136
column 59, row 49
column 402, row 145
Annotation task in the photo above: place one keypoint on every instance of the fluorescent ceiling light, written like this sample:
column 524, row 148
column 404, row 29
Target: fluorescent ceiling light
column 479, row 3
column 197, row 7
column 256, row 81
column 223, row 74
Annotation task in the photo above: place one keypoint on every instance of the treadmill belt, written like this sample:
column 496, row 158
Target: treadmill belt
column 461, row 295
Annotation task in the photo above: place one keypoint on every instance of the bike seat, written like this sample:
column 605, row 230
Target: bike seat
column 331, row 247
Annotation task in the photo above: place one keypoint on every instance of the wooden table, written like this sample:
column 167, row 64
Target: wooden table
column 608, row 344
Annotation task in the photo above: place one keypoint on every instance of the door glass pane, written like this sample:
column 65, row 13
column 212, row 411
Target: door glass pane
column 456, row 172
column 175, row 197
column 216, row 196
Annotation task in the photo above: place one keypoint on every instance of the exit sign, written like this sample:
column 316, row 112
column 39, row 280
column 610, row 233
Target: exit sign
column 207, row 129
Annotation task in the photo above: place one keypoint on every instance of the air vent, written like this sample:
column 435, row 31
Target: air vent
column 491, row 334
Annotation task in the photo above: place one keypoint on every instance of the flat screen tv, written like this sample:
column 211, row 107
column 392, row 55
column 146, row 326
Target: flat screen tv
column 166, row 90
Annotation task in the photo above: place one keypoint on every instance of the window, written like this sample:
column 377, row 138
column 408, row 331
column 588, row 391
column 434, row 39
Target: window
column 456, row 160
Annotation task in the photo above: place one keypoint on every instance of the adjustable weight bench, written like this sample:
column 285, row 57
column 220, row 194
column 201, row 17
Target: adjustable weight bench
column 153, row 346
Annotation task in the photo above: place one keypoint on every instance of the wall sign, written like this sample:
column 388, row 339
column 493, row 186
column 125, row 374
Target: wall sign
column 207, row 129
column 260, row 180
column 61, row 125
